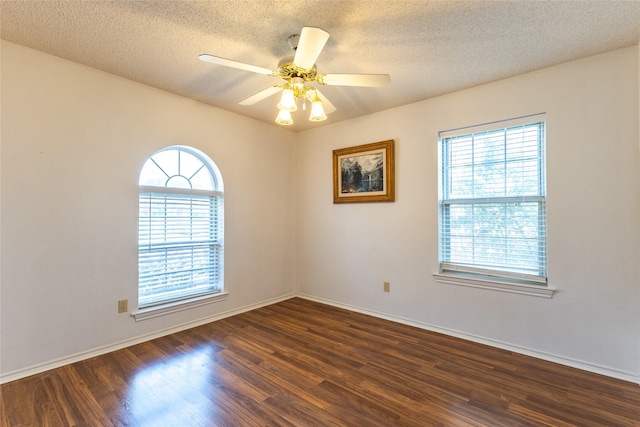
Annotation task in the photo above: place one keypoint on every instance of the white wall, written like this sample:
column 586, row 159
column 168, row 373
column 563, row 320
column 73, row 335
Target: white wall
column 345, row 252
column 73, row 142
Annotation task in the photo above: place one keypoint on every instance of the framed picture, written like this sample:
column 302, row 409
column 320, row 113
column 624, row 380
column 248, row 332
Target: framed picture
column 364, row 173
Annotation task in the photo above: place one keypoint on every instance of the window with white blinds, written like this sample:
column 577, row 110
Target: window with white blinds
column 492, row 200
column 180, row 227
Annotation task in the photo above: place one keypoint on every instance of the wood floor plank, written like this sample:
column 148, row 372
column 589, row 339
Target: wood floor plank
column 3, row 410
column 301, row 363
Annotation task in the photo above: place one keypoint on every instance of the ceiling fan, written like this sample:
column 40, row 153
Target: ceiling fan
column 299, row 71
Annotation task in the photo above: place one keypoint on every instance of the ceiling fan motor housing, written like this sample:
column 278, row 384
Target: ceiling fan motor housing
column 287, row 70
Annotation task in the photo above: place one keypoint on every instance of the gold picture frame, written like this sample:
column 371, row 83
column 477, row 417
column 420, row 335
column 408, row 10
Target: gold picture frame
column 364, row 173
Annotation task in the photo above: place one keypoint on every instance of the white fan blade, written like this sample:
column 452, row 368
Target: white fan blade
column 235, row 64
column 311, row 42
column 326, row 104
column 366, row 80
column 261, row 95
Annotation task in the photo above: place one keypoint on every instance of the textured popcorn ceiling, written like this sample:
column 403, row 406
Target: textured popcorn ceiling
column 428, row 47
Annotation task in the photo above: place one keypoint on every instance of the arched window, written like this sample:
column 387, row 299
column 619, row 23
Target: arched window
column 180, row 227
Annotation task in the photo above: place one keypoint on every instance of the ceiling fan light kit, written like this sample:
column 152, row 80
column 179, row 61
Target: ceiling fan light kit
column 291, row 93
column 299, row 70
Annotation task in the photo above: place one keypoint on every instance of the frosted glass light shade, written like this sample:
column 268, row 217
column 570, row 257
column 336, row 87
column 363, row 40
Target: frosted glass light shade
column 284, row 118
column 288, row 101
column 317, row 111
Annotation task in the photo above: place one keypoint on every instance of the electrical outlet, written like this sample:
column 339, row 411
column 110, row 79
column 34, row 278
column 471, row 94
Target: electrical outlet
column 387, row 287
column 123, row 305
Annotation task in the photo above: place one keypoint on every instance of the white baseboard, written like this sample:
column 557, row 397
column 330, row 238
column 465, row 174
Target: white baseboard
column 589, row 367
column 578, row 364
column 42, row 367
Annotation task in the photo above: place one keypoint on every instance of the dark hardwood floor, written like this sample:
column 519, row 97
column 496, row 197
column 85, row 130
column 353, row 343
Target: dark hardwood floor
column 300, row 363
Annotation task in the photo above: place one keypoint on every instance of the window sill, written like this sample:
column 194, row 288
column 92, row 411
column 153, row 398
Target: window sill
column 494, row 285
column 164, row 309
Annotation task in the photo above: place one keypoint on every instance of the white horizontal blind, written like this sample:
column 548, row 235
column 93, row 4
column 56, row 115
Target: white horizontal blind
column 492, row 201
column 179, row 246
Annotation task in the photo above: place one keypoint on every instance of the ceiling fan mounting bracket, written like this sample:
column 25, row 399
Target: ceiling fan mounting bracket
column 293, row 41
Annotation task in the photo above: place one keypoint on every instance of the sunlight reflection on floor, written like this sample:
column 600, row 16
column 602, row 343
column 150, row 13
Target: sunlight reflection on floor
column 176, row 391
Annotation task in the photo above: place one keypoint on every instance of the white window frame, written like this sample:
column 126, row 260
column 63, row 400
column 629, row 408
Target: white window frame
column 186, row 180
column 483, row 274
